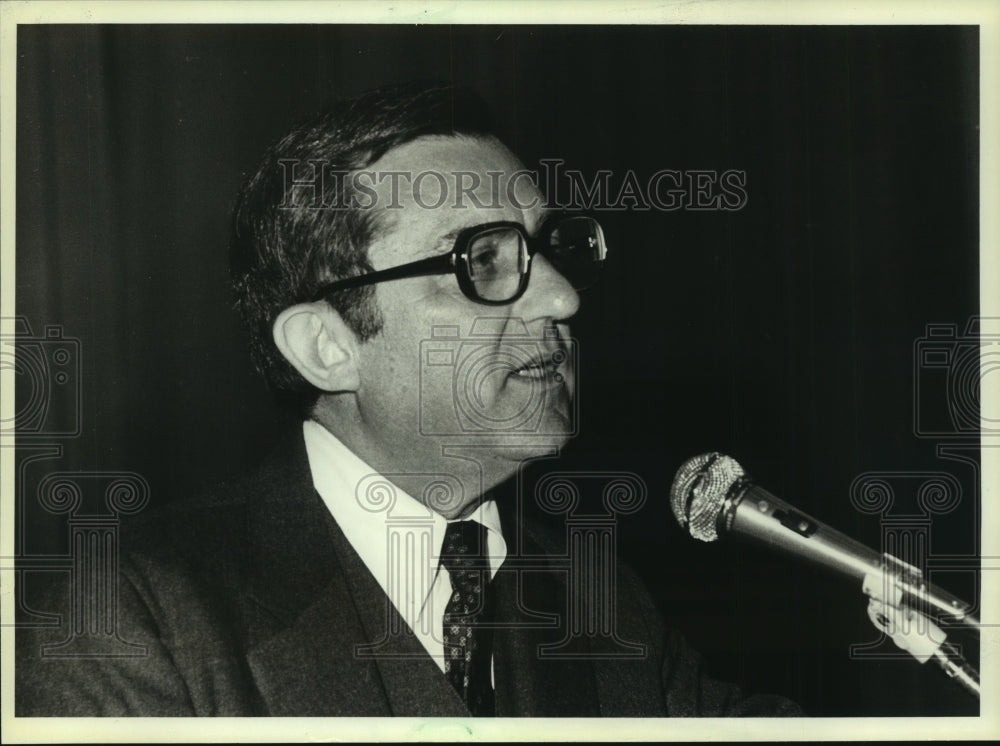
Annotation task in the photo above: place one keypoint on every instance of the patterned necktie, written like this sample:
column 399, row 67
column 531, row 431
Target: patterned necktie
column 468, row 646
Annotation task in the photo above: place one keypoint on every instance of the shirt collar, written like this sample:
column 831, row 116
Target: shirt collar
column 369, row 506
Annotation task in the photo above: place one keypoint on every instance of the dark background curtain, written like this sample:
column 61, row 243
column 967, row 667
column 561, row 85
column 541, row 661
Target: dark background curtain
column 784, row 333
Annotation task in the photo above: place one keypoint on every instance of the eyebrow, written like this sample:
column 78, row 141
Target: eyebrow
column 546, row 214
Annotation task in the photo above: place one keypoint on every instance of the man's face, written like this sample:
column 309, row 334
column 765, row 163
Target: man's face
column 511, row 405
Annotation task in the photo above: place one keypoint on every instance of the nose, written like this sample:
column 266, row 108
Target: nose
column 549, row 295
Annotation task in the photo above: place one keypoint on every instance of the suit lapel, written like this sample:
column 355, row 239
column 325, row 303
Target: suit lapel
column 317, row 603
column 308, row 667
column 298, row 656
column 312, row 651
column 413, row 683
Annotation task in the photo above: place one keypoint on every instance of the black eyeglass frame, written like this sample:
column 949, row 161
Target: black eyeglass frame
column 457, row 261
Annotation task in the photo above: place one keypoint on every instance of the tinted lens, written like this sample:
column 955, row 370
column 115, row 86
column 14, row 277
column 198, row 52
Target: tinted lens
column 497, row 259
column 576, row 248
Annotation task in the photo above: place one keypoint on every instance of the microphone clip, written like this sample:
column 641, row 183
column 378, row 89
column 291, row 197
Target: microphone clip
column 910, row 630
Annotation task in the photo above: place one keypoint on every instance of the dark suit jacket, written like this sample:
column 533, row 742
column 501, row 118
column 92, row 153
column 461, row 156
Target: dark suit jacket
column 251, row 602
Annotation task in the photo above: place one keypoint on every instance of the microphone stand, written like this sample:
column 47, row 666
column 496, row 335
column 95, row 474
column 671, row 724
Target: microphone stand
column 957, row 668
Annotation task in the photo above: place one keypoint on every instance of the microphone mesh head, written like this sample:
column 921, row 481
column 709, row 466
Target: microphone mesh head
column 699, row 489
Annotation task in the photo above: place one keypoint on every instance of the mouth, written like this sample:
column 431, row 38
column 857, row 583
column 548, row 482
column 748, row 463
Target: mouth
column 545, row 368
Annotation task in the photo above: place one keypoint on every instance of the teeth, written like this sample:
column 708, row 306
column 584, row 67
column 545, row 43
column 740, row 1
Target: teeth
column 531, row 370
column 541, row 368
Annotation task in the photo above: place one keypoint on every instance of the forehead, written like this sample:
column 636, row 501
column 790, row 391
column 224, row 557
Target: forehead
column 432, row 187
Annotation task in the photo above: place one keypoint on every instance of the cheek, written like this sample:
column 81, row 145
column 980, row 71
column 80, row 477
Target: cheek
column 392, row 369
column 422, row 321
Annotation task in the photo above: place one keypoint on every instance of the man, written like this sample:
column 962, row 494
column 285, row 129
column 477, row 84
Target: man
column 407, row 291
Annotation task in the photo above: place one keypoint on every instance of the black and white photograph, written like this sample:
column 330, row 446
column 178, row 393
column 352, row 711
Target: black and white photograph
column 435, row 372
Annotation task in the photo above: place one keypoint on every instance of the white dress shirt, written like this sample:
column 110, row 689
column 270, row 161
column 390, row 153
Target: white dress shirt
column 397, row 537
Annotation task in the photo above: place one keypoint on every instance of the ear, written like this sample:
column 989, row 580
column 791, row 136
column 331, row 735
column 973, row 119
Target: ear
column 314, row 339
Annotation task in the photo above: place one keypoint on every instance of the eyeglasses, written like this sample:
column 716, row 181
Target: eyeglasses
column 492, row 262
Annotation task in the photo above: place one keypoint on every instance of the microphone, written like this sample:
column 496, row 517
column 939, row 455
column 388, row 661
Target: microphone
column 712, row 496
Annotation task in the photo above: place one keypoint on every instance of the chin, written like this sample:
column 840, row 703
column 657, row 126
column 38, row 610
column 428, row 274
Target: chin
column 512, row 449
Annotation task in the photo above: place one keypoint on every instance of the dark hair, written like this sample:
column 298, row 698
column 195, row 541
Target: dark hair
column 284, row 244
